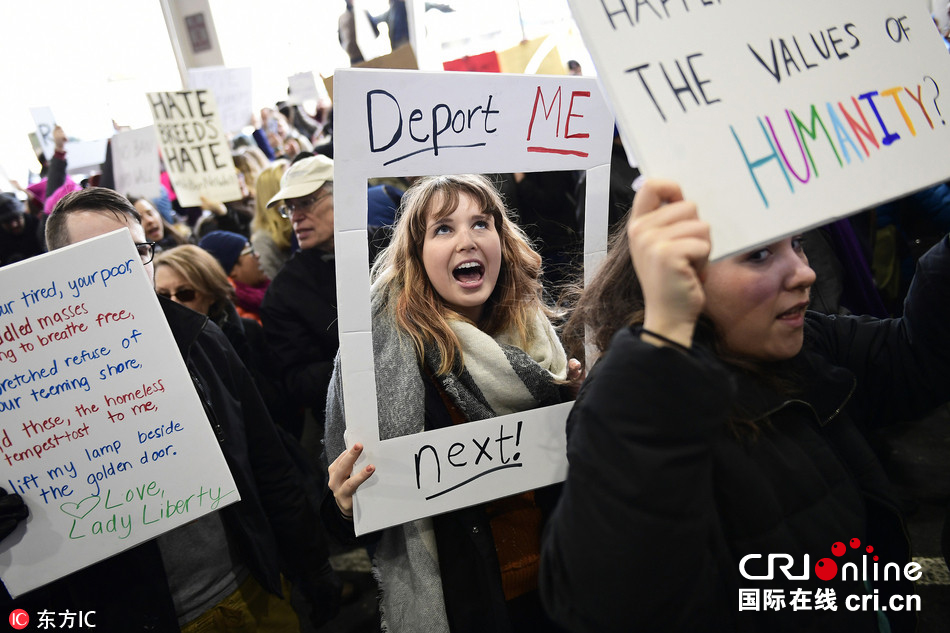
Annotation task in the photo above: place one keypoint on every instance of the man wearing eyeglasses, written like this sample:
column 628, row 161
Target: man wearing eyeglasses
column 227, row 565
column 299, row 310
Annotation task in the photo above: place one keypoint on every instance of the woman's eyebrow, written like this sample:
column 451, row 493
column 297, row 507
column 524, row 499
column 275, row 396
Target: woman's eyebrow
column 443, row 220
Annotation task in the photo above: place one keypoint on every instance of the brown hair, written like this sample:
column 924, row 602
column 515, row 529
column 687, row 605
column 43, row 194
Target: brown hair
column 614, row 300
column 98, row 199
column 401, row 275
column 611, row 301
column 202, row 270
column 250, row 161
column 170, row 230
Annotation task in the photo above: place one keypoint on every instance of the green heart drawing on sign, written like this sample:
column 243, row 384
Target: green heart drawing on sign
column 81, row 509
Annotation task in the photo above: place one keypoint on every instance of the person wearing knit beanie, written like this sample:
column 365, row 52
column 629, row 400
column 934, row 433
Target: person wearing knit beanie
column 225, row 246
column 238, row 259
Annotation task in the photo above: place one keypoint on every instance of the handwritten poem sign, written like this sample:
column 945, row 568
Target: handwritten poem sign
column 775, row 116
column 135, row 165
column 101, row 430
column 404, row 123
column 194, row 146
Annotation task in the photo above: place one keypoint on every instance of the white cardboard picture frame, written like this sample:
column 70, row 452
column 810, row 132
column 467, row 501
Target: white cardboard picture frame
column 407, row 123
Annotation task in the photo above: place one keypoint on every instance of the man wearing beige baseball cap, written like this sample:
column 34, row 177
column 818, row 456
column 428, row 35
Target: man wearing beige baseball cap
column 306, row 199
column 299, row 310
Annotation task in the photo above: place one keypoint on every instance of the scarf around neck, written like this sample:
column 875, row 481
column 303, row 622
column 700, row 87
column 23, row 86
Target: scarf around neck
column 497, row 377
column 508, row 378
column 249, row 297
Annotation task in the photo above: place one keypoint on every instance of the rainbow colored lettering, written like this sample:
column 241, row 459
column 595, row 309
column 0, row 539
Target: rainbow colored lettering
column 844, row 127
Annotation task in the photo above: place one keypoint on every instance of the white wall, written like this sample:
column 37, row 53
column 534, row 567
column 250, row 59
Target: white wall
column 88, row 61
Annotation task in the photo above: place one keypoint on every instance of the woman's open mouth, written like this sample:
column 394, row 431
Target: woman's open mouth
column 469, row 273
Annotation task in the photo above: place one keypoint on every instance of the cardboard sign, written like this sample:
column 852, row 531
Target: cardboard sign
column 80, row 155
column 135, row 164
column 101, row 430
column 5, row 184
column 232, row 92
column 403, row 123
column 774, row 116
column 538, row 56
column 303, row 87
column 194, row 146
column 403, row 57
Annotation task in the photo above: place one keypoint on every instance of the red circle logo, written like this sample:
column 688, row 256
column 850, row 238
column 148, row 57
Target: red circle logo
column 19, row 619
column 826, row 569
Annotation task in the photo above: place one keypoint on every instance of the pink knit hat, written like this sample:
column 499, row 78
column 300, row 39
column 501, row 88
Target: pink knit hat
column 67, row 187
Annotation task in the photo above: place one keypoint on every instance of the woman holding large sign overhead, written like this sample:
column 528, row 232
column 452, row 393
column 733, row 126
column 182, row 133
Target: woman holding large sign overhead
column 719, row 476
column 460, row 327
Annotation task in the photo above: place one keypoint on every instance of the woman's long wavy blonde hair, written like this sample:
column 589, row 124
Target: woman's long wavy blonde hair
column 270, row 220
column 417, row 307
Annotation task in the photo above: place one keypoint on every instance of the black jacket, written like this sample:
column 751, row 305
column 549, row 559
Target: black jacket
column 249, row 341
column 299, row 318
column 271, row 528
column 28, row 243
column 664, row 498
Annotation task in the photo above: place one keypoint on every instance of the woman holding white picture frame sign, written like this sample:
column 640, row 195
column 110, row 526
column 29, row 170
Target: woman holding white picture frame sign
column 457, row 295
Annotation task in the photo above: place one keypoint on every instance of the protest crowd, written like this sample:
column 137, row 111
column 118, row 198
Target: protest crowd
column 721, row 408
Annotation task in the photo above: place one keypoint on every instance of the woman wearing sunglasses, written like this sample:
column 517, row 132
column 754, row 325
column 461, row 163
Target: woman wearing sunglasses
column 191, row 276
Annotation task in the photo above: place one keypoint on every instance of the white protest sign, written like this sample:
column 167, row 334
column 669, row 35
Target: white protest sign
column 80, row 155
column 101, row 430
column 402, row 123
column 775, row 116
column 303, row 87
column 5, row 184
column 135, row 165
column 232, row 92
column 194, row 146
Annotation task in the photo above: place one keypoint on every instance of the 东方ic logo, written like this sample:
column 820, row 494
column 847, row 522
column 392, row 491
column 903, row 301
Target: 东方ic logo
column 19, row 619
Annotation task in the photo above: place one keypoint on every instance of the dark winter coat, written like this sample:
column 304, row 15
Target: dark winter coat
column 664, row 497
column 299, row 318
